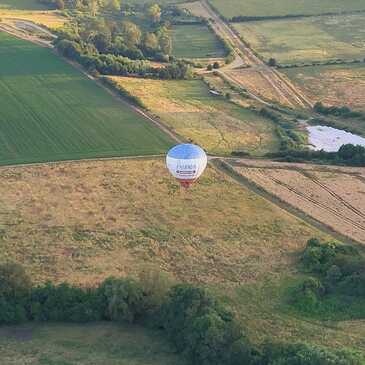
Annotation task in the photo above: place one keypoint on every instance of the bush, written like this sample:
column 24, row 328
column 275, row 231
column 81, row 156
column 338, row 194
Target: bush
column 124, row 298
column 202, row 329
column 15, row 286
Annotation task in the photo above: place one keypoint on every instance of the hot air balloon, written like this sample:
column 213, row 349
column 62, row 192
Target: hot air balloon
column 186, row 162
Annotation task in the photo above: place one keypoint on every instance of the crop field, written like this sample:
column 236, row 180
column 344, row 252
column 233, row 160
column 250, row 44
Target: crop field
column 262, row 8
column 333, row 196
column 97, row 344
column 50, row 111
column 83, row 221
column 308, row 39
column 332, row 85
column 195, row 41
column 193, row 112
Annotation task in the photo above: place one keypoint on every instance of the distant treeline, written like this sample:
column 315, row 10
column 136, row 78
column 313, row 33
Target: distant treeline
column 242, row 18
column 342, row 111
column 200, row 327
column 337, row 61
column 348, row 155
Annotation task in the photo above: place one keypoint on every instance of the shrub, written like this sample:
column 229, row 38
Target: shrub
column 202, row 329
column 124, row 298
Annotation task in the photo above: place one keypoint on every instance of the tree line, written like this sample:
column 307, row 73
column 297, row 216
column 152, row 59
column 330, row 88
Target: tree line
column 120, row 48
column 347, row 155
column 200, row 327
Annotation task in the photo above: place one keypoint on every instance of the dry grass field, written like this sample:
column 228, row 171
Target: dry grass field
column 84, row 221
column 333, row 85
column 335, row 197
column 194, row 113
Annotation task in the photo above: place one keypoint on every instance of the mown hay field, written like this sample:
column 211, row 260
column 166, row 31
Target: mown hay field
column 332, row 196
column 97, row 344
column 308, row 39
column 262, row 8
column 195, row 41
column 51, row 111
column 210, row 121
column 333, row 85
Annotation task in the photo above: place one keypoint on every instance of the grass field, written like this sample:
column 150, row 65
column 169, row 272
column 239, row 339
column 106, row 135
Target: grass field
column 333, row 85
column 84, row 221
column 308, row 39
column 231, row 8
column 195, row 41
column 50, row 111
column 97, row 344
column 22, row 5
column 211, row 121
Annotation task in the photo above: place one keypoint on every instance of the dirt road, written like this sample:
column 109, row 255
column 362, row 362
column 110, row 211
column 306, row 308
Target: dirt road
column 245, row 56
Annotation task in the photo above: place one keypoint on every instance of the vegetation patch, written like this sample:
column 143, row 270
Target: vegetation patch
column 309, row 39
column 50, row 111
column 336, row 289
column 193, row 112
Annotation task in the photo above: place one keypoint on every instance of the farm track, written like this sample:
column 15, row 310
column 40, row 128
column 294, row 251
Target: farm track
column 283, row 87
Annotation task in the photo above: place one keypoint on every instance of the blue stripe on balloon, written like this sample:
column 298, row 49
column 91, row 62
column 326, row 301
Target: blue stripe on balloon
column 186, row 152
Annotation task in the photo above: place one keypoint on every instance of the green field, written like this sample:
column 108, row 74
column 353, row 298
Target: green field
column 96, row 344
column 21, row 5
column 195, row 41
column 307, row 39
column 231, row 8
column 50, row 111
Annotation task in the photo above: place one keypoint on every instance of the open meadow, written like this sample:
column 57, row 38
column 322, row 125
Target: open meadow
column 263, row 8
column 80, row 222
column 212, row 121
column 307, row 39
column 338, row 85
column 195, row 41
column 50, row 111
column 98, row 344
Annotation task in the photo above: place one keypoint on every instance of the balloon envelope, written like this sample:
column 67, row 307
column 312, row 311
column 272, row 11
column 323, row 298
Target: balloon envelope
column 186, row 162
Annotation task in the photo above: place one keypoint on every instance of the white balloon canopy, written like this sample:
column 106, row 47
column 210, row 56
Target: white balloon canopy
column 186, row 162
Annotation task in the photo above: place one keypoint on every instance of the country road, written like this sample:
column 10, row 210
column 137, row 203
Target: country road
column 283, row 87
